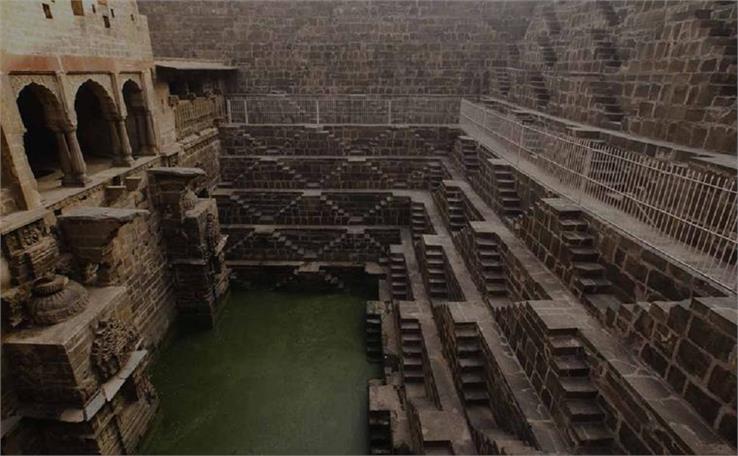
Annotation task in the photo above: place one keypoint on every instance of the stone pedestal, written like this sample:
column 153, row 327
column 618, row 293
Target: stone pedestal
column 81, row 383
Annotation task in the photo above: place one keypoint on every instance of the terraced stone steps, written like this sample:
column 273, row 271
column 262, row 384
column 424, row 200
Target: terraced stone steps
column 373, row 327
column 380, row 432
column 399, row 280
column 411, row 343
column 506, row 196
column 473, row 386
column 435, row 272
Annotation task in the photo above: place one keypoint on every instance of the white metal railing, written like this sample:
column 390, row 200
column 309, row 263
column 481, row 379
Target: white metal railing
column 696, row 208
column 346, row 109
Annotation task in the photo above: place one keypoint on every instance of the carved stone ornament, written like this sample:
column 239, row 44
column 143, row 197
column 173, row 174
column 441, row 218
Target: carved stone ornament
column 112, row 346
column 55, row 299
column 212, row 234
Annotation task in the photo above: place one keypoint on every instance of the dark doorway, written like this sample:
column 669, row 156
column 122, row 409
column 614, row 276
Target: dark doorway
column 38, row 110
column 94, row 124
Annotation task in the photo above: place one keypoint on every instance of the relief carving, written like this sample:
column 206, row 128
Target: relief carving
column 112, row 347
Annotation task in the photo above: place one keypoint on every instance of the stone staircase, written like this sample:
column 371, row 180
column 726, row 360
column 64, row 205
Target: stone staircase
column 492, row 440
column 587, row 274
column 603, row 95
column 380, row 432
column 419, row 223
column 435, row 272
column 280, row 243
column 506, row 197
column 550, row 18
column 373, row 328
column 577, row 408
column 377, row 211
column 234, row 249
column 465, row 155
column 605, row 50
column 503, row 79
column 608, row 12
column 255, row 207
column 399, row 280
column 454, row 208
column 491, row 265
column 538, row 88
column 471, row 379
column 334, row 178
column 547, row 51
column 411, row 344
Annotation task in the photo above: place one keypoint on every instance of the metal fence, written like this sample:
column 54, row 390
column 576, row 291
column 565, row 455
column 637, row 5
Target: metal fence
column 696, row 208
column 434, row 110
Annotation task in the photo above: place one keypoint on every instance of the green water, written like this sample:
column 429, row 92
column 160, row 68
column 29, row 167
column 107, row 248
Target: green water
column 281, row 373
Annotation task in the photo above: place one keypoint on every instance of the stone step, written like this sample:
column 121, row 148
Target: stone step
column 573, row 225
column 583, row 410
column 467, row 349
column 576, row 238
column 413, row 376
column 565, row 345
column 465, row 334
column 411, row 338
column 496, row 290
column 593, row 285
column 570, row 366
column 578, row 387
column 412, row 351
column 584, row 254
column 471, row 365
column 476, row 396
column 494, row 278
column 591, row 435
column 588, row 269
column 472, row 378
column 412, row 363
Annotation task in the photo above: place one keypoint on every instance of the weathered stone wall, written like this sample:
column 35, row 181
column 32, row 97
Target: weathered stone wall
column 324, row 47
column 30, row 32
column 692, row 346
column 664, row 70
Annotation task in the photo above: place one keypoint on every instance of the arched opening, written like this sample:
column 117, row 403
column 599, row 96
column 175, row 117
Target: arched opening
column 136, row 123
column 96, row 132
column 41, row 115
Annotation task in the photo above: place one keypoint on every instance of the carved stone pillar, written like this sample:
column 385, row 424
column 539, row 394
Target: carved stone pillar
column 64, row 158
column 78, row 176
column 125, row 154
column 149, row 133
column 195, row 246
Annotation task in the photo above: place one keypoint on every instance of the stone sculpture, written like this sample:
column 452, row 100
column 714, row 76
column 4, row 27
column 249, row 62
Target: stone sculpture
column 56, row 299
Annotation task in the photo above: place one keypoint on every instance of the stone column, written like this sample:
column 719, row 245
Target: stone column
column 78, row 176
column 125, row 154
column 64, row 160
column 149, row 131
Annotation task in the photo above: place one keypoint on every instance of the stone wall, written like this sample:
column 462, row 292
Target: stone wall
column 664, row 70
column 339, row 47
column 31, row 32
column 692, row 346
